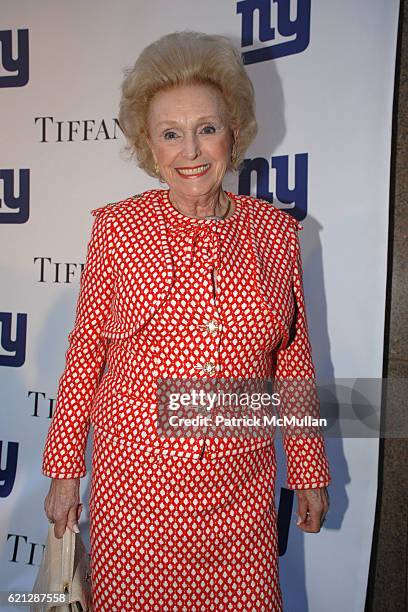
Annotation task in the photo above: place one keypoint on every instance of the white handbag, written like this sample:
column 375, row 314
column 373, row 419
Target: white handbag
column 65, row 568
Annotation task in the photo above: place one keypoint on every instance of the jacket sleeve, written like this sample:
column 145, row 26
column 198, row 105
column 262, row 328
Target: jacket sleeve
column 295, row 380
column 64, row 452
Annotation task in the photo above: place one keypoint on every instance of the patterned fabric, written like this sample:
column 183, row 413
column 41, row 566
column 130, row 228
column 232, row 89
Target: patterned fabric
column 176, row 534
column 246, row 332
column 183, row 523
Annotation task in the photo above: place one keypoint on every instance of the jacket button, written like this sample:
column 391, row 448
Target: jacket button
column 213, row 327
column 208, row 367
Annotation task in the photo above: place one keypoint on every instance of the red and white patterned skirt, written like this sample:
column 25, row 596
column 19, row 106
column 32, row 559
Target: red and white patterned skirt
column 172, row 533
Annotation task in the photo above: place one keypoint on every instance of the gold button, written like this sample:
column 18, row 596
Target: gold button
column 208, row 367
column 213, row 327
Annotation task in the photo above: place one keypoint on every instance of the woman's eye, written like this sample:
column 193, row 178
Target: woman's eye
column 170, row 135
column 209, row 129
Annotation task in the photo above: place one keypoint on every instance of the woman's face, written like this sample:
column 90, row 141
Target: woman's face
column 190, row 138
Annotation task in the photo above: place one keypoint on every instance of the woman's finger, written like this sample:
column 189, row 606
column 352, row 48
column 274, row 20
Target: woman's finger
column 59, row 527
column 72, row 521
column 302, row 511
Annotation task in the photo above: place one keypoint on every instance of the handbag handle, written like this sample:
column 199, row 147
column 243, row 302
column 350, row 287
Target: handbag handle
column 67, row 561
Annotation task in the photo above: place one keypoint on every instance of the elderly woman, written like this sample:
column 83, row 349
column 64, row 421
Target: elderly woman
column 189, row 283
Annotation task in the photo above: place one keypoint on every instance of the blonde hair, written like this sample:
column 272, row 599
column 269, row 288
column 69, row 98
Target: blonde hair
column 184, row 58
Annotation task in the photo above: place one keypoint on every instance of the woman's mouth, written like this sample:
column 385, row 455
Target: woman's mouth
column 193, row 172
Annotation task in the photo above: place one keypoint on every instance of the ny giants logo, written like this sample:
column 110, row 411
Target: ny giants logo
column 8, row 473
column 13, row 351
column 293, row 200
column 15, row 209
column 14, row 59
column 285, row 24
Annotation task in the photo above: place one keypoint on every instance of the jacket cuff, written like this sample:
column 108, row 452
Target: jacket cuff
column 61, row 476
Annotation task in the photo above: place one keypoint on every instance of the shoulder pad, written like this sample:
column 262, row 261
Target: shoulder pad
column 294, row 222
column 111, row 205
column 97, row 211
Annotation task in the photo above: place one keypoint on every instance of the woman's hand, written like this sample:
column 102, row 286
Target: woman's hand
column 62, row 505
column 313, row 505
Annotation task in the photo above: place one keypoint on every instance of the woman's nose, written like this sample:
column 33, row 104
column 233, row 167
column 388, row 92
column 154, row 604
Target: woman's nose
column 191, row 148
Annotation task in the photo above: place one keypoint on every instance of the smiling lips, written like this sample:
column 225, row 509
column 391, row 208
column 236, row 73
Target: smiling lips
column 193, row 172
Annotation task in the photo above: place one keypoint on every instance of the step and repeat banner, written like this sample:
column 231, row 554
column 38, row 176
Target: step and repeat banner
column 324, row 75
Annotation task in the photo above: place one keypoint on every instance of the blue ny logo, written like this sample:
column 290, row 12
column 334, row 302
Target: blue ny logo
column 14, row 62
column 295, row 199
column 287, row 36
column 20, row 203
column 8, row 474
column 16, row 349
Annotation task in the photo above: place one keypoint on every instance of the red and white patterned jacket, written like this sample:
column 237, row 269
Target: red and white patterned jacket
column 115, row 301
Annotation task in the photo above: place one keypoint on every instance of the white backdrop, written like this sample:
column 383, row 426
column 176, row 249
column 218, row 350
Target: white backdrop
column 324, row 88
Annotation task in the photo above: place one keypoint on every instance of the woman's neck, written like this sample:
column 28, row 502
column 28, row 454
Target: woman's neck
column 216, row 204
